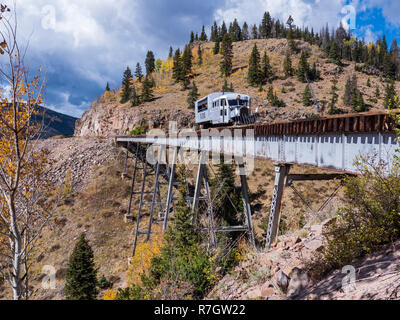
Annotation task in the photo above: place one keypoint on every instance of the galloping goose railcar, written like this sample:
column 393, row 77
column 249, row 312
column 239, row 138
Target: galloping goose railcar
column 220, row 108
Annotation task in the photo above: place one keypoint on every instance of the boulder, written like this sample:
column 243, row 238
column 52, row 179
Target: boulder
column 298, row 281
column 267, row 289
column 282, row 280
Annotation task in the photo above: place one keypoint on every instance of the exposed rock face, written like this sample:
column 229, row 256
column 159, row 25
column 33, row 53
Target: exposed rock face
column 112, row 120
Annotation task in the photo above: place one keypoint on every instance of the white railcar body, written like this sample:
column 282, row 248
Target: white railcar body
column 222, row 108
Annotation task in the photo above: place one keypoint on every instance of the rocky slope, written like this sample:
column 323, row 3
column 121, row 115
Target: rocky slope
column 279, row 273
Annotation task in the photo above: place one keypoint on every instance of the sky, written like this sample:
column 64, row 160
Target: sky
column 82, row 45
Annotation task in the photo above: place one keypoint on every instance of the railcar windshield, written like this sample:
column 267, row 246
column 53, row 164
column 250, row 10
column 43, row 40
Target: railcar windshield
column 238, row 102
column 202, row 105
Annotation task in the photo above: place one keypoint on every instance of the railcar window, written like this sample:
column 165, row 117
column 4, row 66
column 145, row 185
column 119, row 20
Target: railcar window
column 202, row 106
column 237, row 102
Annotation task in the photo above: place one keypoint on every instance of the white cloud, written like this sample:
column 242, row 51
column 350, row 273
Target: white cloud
column 308, row 13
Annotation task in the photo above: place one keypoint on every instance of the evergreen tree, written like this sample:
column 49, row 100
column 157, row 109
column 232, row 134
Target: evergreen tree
column 245, row 31
column 191, row 37
column 223, row 31
column 291, row 42
column 216, row 47
column 389, row 66
column 108, row 87
column 126, row 85
column 266, row 69
column 171, row 52
column 214, row 32
column 347, row 92
column 135, row 98
column 236, row 31
column 150, row 62
column 147, row 90
column 177, row 67
column 357, row 101
column 81, row 276
column 332, row 104
column 203, row 35
column 307, row 96
column 266, row 26
column 303, row 68
column 229, row 203
column 391, row 101
column 138, row 72
column 334, row 53
column 254, row 32
column 193, row 96
column 227, row 55
column 287, row 65
column 377, row 92
column 186, row 67
column 368, row 83
column 350, row 89
column 200, row 55
column 254, row 72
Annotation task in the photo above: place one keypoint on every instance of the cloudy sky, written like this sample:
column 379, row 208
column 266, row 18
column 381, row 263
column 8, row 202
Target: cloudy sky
column 85, row 44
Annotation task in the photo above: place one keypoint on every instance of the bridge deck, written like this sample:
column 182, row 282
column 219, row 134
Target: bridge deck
column 331, row 142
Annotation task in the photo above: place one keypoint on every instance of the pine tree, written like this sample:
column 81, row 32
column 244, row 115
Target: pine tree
column 332, row 104
column 214, row 32
column 357, row 101
column 147, row 90
column 81, row 276
column 254, row 72
column 287, row 65
column 377, row 92
column 138, row 72
column 245, row 31
column 254, row 32
column 368, row 83
column 177, row 67
column 171, row 52
column 191, row 37
column 291, row 42
column 271, row 96
column 334, row 53
column 193, row 96
column 126, row 85
column 150, row 62
column 107, row 87
column 227, row 55
column 186, row 67
column 203, row 35
column 389, row 66
column 225, row 87
column 350, row 89
column 223, row 31
column 390, row 101
column 347, row 92
column 307, row 96
column 303, row 69
column 200, row 55
column 266, row 69
column 135, row 98
column 216, row 47
column 229, row 203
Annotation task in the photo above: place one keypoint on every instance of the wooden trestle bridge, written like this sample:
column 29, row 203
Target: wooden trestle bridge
column 332, row 142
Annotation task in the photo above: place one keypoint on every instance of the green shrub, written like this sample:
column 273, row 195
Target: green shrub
column 369, row 218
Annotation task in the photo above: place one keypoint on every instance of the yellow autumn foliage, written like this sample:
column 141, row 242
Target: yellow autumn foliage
column 145, row 251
